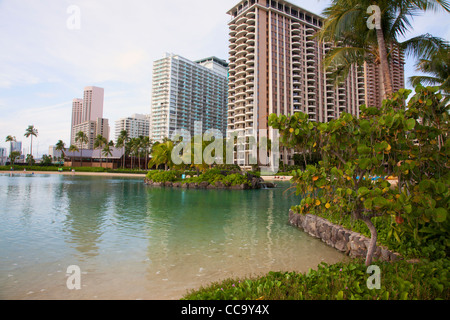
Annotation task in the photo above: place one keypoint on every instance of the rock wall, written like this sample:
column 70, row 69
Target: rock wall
column 351, row 243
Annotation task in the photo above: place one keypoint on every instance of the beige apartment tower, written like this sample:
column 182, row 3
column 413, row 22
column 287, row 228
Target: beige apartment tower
column 276, row 67
column 87, row 116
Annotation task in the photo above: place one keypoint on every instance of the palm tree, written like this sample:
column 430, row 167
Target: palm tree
column 81, row 138
column 139, row 149
column 122, row 140
column 146, row 144
column 438, row 69
column 61, row 146
column 10, row 139
column 134, row 145
column 162, row 154
column 73, row 149
column 99, row 142
column 107, row 151
column 346, row 27
column 29, row 133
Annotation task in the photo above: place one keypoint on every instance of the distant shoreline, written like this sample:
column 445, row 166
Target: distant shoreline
column 112, row 174
column 69, row 173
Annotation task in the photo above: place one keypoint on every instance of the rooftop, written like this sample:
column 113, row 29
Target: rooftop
column 280, row 5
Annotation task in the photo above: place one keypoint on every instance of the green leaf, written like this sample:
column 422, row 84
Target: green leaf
column 365, row 163
column 440, row 215
column 363, row 191
column 440, row 188
column 363, row 149
column 365, row 125
column 410, row 124
column 368, row 204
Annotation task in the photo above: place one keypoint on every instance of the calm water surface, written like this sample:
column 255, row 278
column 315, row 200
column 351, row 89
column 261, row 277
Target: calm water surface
column 136, row 242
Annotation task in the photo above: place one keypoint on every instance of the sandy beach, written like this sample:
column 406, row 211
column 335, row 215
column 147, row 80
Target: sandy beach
column 98, row 174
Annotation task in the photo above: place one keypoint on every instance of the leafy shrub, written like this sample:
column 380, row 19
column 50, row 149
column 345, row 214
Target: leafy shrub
column 342, row 281
column 164, row 176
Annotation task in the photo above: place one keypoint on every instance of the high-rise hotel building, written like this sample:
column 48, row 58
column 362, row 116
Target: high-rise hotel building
column 276, row 67
column 136, row 125
column 188, row 95
column 87, row 116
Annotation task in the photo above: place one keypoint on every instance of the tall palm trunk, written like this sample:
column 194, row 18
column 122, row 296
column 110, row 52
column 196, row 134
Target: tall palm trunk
column 384, row 64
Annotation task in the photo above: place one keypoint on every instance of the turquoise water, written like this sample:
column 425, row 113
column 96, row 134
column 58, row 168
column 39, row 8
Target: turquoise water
column 136, row 242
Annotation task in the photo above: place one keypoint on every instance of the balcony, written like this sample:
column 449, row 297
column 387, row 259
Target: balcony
column 240, row 72
column 250, row 55
column 241, row 20
column 251, row 14
column 240, row 110
column 241, row 60
column 251, row 21
column 241, row 86
column 241, row 34
column 296, row 37
column 295, row 25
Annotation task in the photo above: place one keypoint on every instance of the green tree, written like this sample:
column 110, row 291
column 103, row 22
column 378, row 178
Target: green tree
column 99, row 143
column 122, row 141
column 73, row 149
column 346, row 27
column 46, row 160
column 146, row 145
column 30, row 160
column 407, row 141
column 10, row 139
column 13, row 157
column 162, row 154
column 107, row 150
column 30, row 133
column 83, row 139
column 61, row 146
column 437, row 69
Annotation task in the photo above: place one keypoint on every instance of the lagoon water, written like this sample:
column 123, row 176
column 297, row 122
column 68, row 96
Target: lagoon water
column 132, row 241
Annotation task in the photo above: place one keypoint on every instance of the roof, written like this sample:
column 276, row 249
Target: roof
column 95, row 154
column 215, row 59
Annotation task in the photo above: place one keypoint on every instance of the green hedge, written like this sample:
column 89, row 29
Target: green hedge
column 343, row 281
column 230, row 178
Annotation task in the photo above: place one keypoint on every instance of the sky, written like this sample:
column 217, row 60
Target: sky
column 50, row 50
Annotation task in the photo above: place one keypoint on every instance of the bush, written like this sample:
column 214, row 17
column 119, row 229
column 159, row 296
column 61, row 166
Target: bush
column 164, row 176
column 342, row 281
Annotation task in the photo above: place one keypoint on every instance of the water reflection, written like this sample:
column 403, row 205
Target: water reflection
column 134, row 241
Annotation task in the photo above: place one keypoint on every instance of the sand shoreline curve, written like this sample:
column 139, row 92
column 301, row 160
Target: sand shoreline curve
column 68, row 173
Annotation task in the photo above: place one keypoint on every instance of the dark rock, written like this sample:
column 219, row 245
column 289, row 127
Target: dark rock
column 203, row 185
